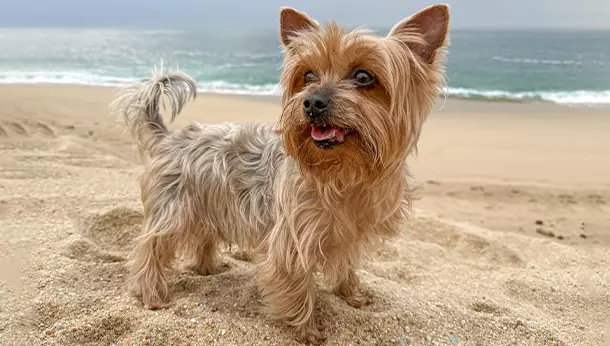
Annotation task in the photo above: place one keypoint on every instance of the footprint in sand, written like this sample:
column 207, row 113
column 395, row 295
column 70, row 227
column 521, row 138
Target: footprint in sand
column 84, row 250
column 469, row 246
column 27, row 129
column 596, row 199
column 567, row 199
column 115, row 229
column 107, row 237
column 77, row 152
column 18, row 128
column 45, row 129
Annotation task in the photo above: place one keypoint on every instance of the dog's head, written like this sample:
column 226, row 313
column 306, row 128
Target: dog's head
column 354, row 103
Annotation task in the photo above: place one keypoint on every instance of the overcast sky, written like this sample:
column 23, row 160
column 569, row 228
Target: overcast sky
column 264, row 13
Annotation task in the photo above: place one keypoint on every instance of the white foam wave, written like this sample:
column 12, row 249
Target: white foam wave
column 222, row 87
column 89, row 79
column 537, row 61
column 576, row 97
column 61, row 77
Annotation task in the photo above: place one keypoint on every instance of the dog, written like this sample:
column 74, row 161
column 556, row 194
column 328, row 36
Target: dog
column 312, row 195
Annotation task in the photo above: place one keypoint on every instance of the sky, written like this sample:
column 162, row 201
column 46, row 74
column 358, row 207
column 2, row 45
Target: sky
column 245, row 14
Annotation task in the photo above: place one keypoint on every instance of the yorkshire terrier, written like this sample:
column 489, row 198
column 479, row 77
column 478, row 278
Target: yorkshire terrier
column 310, row 196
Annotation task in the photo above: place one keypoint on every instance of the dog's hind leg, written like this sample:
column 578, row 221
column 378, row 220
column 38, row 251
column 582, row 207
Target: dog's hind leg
column 152, row 257
column 204, row 255
column 164, row 230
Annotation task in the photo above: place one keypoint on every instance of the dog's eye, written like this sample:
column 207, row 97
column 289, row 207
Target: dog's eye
column 363, row 79
column 309, row 77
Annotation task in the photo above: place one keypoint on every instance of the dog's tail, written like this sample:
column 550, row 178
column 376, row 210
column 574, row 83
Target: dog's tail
column 139, row 104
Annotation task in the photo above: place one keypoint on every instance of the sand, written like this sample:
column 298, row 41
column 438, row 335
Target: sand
column 507, row 245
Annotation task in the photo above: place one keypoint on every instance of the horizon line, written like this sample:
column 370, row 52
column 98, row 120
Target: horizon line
column 261, row 28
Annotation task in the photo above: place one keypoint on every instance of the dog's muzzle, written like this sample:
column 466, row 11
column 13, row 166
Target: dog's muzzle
column 316, row 106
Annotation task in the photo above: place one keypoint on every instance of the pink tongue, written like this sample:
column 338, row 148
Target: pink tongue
column 320, row 133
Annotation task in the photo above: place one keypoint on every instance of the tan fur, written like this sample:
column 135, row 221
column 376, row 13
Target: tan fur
column 301, row 208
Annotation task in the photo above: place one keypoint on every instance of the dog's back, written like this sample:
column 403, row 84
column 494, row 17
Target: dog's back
column 225, row 170
column 202, row 185
column 229, row 169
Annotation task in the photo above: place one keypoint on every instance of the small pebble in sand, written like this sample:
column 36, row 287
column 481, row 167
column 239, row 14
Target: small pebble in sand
column 519, row 323
column 539, row 222
column 583, row 236
column 544, row 232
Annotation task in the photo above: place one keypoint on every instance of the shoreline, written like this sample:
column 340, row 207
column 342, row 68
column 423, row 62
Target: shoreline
column 276, row 98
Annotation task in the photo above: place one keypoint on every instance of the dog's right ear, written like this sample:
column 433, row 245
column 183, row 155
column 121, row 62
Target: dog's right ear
column 293, row 21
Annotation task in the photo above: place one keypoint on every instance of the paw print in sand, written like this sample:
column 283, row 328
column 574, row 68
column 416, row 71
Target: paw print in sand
column 26, row 129
column 107, row 237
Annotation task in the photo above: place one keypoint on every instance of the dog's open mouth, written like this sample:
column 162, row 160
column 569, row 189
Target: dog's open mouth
column 327, row 137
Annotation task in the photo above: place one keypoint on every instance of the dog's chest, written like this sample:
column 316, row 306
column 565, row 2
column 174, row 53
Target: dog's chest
column 362, row 218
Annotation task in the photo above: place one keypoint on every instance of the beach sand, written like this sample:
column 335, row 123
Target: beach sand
column 508, row 243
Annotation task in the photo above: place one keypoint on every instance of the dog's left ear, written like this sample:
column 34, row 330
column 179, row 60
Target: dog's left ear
column 432, row 23
column 293, row 21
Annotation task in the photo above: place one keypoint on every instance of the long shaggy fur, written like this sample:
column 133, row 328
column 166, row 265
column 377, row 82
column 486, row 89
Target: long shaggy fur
column 139, row 104
column 301, row 208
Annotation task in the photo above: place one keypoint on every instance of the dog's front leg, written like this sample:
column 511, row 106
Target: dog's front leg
column 289, row 292
column 347, row 286
column 341, row 275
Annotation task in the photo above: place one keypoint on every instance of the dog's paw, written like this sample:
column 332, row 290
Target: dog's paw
column 148, row 301
column 310, row 334
column 203, row 270
column 208, row 269
column 354, row 297
column 157, row 306
column 357, row 300
column 151, row 303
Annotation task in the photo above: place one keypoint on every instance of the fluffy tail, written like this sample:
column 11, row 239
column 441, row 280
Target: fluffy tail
column 139, row 104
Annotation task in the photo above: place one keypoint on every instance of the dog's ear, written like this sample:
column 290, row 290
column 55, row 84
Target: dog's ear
column 432, row 23
column 292, row 21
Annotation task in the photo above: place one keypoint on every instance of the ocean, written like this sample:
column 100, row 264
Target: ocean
column 571, row 68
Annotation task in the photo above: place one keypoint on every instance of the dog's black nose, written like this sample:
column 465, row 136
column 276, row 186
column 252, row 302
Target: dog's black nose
column 315, row 105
